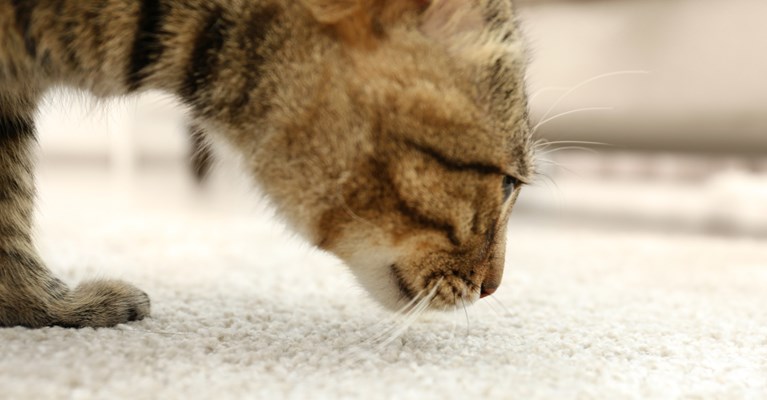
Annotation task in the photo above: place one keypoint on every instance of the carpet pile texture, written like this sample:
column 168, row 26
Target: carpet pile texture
column 243, row 310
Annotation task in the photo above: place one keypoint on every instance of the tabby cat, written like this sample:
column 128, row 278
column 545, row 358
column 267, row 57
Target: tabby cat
column 393, row 134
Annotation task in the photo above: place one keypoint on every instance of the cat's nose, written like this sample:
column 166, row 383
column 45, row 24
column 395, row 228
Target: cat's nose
column 487, row 290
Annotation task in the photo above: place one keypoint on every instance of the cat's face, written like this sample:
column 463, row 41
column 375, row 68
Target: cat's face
column 420, row 143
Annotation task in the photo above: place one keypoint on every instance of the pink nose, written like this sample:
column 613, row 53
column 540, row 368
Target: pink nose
column 487, row 291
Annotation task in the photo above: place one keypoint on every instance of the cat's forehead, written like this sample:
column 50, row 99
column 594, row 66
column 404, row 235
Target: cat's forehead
column 475, row 96
column 452, row 81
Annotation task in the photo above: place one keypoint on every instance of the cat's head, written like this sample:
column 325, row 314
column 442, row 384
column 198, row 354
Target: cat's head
column 409, row 150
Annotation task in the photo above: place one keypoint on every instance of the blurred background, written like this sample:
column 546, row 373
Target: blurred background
column 656, row 114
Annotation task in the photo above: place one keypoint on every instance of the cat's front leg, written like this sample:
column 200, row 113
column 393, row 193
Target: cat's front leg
column 29, row 294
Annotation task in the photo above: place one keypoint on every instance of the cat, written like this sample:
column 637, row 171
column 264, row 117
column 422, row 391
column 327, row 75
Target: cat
column 200, row 154
column 393, row 134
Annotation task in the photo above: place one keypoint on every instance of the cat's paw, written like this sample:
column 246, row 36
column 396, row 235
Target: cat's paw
column 103, row 303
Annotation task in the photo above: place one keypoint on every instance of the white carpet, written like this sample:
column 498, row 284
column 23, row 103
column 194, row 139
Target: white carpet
column 242, row 311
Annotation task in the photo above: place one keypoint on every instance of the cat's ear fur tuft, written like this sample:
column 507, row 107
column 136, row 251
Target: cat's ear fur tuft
column 443, row 20
column 475, row 30
column 333, row 11
column 447, row 19
column 361, row 22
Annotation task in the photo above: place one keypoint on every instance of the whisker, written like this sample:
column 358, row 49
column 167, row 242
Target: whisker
column 410, row 310
column 158, row 332
column 399, row 319
column 541, row 91
column 541, row 150
column 548, row 178
column 401, row 314
column 396, row 315
column 588, row 81
column 552, row 151
column 351, row 212
column 558, row 165
column 406, row 324
column 546, row 143
column 564, row 114
column 492, row 308
column 418, row 311
column 455, row 322
column 468, row 322
column 551, row 184
column 503, row 306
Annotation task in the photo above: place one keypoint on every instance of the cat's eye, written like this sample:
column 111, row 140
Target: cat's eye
column 510, row 183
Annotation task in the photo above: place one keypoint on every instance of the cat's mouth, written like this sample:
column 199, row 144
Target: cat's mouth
column 443, row 290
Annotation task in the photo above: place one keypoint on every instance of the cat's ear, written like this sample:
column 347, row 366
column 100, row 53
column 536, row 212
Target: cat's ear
column 475, row 30
column 447, row 19
column 334, row 11
column 362, row 22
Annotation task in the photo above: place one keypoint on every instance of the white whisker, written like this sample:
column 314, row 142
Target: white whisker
column 405, row 325
column 396, row 315
column 506, row 309
column 552, row 151
column 351, row 212
column 492, row 308
column 468, row 322
column 157, row 332
column 588, row 81
column 402, row 314
column 558, row 165
column 541, row 91
column 409, row 311
column 418, row 310
column 552, row 185
column 455, row 322
column 580, row 110
column 544, row 143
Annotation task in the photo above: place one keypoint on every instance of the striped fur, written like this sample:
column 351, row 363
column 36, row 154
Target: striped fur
column 383, row 130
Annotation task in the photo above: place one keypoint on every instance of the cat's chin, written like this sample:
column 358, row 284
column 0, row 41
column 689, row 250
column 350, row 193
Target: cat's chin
column 388, row 298
column 372, row 270
column 380, row 286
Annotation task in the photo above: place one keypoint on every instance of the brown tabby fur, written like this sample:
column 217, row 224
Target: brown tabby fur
column 381, row 130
